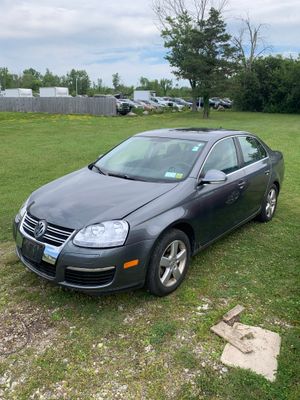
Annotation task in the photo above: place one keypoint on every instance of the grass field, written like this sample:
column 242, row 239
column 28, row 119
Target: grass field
column 133, row 345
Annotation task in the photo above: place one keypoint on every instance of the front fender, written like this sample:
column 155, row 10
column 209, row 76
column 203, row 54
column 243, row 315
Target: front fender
column 152, row 228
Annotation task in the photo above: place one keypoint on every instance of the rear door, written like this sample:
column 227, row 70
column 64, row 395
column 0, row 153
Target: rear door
column 257, row 166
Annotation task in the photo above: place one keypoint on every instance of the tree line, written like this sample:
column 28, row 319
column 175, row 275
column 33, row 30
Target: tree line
column 79, row 82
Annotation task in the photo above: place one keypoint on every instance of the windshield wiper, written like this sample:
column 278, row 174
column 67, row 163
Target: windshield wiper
column 93, row 165
column 123, row 176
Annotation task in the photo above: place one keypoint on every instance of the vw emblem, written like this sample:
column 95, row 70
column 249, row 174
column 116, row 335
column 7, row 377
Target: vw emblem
column 40, row 229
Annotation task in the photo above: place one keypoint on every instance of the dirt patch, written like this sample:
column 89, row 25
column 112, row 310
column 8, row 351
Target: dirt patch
column 26, row 326
column 14, row 334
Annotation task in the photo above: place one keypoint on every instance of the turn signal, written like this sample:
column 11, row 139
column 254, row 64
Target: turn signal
column 130, row 264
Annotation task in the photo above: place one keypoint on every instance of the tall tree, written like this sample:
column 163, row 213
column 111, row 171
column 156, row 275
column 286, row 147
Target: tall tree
column 144, row 82
column 49, row 79
column 31, row 79
column 166, row 85
column 77, row 81
column 116, row 80
column 199, row 46
column 250, row 43
column 6, row 79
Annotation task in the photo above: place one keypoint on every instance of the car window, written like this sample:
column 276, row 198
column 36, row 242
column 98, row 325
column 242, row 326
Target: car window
column 152, row 158
column 252, row 150
column 222, row 157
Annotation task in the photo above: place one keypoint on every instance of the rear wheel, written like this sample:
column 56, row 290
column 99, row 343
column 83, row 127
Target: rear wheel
column 169, row 263
column 269, row 205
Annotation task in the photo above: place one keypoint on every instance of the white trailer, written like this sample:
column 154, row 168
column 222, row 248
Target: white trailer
column 140, row 95
column 19, row 92
column 54, row 92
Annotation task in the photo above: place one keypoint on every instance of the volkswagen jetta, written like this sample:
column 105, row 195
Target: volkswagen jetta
column 136, row 215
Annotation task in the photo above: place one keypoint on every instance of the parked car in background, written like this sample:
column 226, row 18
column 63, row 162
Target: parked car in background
column 133, row 104
column 200, row 102
column 183, row 102
column 123, row 107
column 150, row 105
column 136, row 215
column 161, row 101
column 217, row 101
column 173, row 103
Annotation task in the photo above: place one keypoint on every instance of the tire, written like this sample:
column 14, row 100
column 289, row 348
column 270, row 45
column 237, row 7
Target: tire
column 269, row 205
column 169, row 263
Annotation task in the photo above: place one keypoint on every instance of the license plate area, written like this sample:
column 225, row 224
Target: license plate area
column 33, row 251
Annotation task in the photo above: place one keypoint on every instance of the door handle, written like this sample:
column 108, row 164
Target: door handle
column 242, row 184
column 267, row 172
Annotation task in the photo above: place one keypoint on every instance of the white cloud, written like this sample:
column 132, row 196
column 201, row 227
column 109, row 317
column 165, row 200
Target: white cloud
column 106, row 36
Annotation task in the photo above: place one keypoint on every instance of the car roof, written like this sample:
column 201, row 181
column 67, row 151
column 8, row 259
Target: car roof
column 203, row 134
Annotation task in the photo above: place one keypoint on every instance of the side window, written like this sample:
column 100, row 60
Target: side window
column 222, row 157
column 252, row 150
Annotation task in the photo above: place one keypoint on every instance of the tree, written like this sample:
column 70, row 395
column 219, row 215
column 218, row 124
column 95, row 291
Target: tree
column 199, row 46
column 144, row 83
column 50, row 80
column 250, row 43
column 77, row 81
column 166, row 85
column 116, row 80
column 272, row 85
column 6, row 79
column 161, row 88
column 31, row 79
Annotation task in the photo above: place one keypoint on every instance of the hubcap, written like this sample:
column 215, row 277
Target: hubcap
column 172, row 263
column 271, row 203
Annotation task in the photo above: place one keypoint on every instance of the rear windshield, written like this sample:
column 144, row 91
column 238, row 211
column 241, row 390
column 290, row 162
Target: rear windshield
column 152, row 158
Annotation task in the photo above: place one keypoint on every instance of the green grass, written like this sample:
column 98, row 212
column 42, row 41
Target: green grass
column 133, row 345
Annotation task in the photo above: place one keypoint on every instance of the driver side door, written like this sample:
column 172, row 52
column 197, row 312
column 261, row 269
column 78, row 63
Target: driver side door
column 219, row 206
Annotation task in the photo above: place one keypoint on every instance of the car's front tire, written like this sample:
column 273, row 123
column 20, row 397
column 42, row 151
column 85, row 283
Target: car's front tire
column 169, row 262
column 269, row 205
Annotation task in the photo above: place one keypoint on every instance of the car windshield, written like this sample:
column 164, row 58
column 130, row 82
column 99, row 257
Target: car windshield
column 151, row 159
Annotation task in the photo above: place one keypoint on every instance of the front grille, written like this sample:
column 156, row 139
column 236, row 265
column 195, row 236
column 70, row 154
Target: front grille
column 43, row 267
column 89, row 278
column 54, row 235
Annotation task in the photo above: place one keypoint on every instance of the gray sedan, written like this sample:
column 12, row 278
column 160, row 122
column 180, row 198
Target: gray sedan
column 135, row 216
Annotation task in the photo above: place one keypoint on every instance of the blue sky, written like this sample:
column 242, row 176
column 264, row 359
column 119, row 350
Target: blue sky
column 104, row 37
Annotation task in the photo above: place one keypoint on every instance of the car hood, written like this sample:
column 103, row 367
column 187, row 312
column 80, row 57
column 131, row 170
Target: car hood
column 85, row 197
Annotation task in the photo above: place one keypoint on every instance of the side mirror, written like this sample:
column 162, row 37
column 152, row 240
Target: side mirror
column 214, row 176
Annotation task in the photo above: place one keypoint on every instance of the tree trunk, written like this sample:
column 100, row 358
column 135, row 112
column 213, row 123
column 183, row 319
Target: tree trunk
column 194, row 95
column 194, row 107
column 205, row 105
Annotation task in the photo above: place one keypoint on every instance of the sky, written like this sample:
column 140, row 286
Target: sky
column 108, row 36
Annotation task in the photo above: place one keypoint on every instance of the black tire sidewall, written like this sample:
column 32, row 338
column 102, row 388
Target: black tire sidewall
column 153, row 282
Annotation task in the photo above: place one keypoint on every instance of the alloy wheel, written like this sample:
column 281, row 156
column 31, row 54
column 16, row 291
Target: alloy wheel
column 271, row 203
column 172, row 263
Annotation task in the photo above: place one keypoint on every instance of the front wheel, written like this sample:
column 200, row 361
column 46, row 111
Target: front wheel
column 269, row 205
column 169, row 263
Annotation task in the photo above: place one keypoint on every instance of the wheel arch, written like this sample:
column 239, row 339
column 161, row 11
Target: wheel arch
column 277, row 184
column 183, row 226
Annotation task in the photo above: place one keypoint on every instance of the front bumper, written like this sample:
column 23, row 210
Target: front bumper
column 93, row 271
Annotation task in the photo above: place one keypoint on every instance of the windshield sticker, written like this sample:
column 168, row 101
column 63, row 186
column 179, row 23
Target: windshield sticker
column 170, row 174
column 195, row 148
column 175, row 175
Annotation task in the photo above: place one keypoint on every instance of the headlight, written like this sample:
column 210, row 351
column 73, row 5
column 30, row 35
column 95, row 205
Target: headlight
column 106, row 234
column 21, row 212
